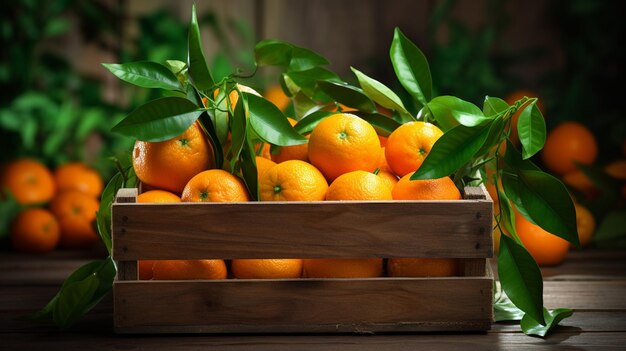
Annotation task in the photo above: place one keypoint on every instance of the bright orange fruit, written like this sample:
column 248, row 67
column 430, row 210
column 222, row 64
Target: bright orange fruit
column 29, row 181
column 408, row 146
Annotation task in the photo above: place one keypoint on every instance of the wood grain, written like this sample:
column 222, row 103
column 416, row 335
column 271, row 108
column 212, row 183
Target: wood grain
column 304, row 305
column 459, row 229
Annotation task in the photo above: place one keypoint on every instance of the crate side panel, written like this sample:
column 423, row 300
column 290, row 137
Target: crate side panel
column 303, row 305
column 460, row 229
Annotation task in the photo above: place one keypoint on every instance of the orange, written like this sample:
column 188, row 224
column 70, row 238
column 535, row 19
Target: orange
column 35, row 230
column 422, row 267
column 579, row 181
column 616, row 169
column 262, row 165
column 76, row 212
column 78, row 176
column 74, row 203
column 29, row 181
column 215, row 185
column 408, row 146
column 358, row 185
column 292, row 180
column 567, row 143
column 545, row 248
column 267, row 268
column 189, row 269
column 153, row 196
column 342, row 268
column 294, row 152
column 585, row 223
column 389, row 178
column 157, row 196
column 170, row 164
column 277, row 96
column 430, row 189
column 343, row 143
column 511, row 99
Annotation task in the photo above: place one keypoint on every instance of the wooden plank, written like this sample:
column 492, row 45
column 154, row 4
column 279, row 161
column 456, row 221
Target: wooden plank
column 302, row 229
column 586, row 295
column 561, row 340
column 305, row 305
column 583, row 321
column 473, row 267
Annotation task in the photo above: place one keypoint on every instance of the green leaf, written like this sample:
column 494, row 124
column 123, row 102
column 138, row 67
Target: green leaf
column 521, row 278
column 380, row 93
column 493, row 106
column 289, row 56
column 56, row 26
column 272, row 53
column 411, row 67
column 198, row 69
column 532, row 130
column 348, row 95
column 513, row 159
column 507, row 215
column 304, row 106
column 544, row 200
column 306, row 81
column 248, row 166
column 209, row 128
column 503, row 307
column 452, row 151
column 450, row 111
column 552, row 318
column 103, row 216
column 306, row 124
column 237, row 127
column 303, row 59
column 612, row 227
column 384, row 125
column 78, row 297
column 79, row 293
column 159, row 120
column 9, row 208
column 145, row 74
column 269, row 123
column 496, row 136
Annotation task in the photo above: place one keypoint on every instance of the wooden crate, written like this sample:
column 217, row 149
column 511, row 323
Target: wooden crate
column 454, row 229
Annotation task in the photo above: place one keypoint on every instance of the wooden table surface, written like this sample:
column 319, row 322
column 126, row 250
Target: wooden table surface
column 593, row 282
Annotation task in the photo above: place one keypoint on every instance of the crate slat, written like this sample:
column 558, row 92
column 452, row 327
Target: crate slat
column 304, row 305
column 460, row 229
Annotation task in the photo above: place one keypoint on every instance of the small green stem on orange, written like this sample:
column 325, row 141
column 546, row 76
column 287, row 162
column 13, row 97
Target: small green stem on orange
column 376, row 171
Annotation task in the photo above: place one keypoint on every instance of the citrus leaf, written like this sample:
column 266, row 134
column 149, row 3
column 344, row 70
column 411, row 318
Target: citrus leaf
column 503, row 308
column 145, row 74
column 103, row 216
column 348, row 95
column 248, row 166
column 520, row 278
column 451, row 151
column 380, row 93
column 544, row 200
column 303, row 59
column 306, row 81
column 270, row 124
column 552, row 318
column 286, row 55
column 9, row 208
column 159, row 119
column 450, row 111
column 507, row 215
column 306, row 124
column 493, row 106
column 196, row 63
column 496, row 134
column 303, row 105
column 237, row 126
column 411, row 67
column 384, row 125
column 272, row 53
column 532, row 130
column 218, row 152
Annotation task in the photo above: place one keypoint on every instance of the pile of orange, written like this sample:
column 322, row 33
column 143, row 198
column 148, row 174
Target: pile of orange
column 343, row 160
column 59, row 207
